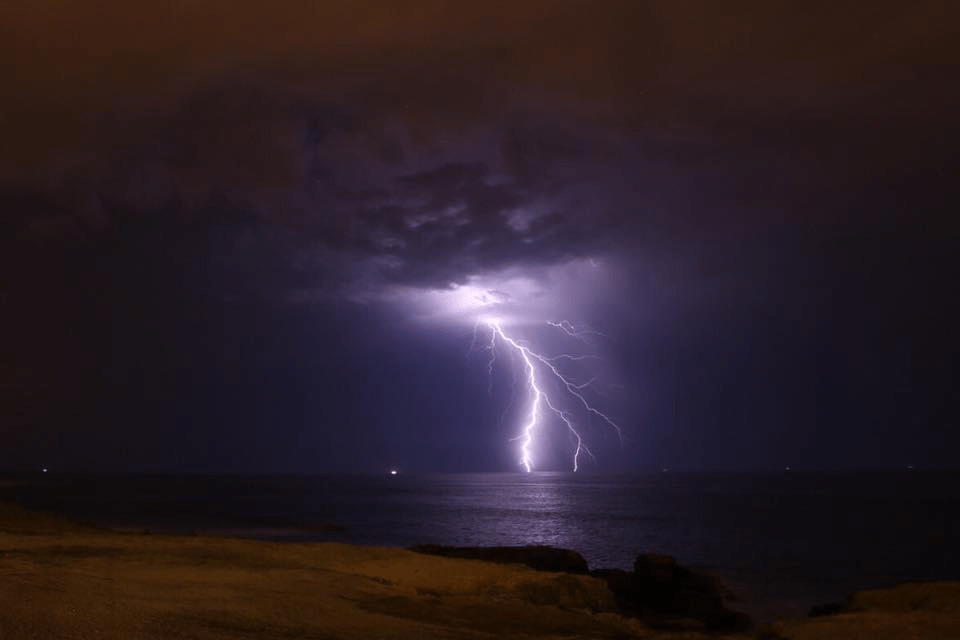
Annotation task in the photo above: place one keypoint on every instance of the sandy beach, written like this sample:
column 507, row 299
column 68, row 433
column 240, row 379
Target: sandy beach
column 60, row 579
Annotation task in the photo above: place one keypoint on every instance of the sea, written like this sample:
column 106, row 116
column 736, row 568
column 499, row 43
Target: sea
column 781, row 542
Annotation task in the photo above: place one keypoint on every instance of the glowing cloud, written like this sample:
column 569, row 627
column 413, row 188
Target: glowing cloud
column 518, row 308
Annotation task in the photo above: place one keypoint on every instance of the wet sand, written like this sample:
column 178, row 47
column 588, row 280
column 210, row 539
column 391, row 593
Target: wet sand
column 60, row 579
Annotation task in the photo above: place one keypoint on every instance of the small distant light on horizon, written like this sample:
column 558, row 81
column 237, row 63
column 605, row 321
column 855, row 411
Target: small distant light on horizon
column 787, row 469
column 393, row 472
column 44, row 469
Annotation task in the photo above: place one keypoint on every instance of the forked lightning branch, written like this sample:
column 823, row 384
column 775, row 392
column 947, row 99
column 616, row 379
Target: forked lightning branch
column 549, row 392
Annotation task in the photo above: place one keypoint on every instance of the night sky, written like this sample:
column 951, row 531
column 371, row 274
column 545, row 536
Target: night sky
column 251, row 236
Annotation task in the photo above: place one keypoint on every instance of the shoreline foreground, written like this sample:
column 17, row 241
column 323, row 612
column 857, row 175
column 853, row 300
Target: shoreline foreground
column 61, row 579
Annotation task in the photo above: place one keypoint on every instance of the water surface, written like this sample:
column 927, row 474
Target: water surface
column 784, row 541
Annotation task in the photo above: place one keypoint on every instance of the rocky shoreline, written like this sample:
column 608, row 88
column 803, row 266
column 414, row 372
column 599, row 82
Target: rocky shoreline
column 661, row 593
column 60, row 579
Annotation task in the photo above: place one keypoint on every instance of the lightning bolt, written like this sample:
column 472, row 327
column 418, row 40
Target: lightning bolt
column 493, row 360
column 571, row 330
column 535, row 366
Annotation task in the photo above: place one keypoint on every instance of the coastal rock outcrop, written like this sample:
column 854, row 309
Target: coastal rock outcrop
column 910, row 610
column 666, row 595
column 658, row 591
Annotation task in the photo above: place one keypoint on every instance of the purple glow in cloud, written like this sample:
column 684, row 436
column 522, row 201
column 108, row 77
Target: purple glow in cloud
column 526, row 342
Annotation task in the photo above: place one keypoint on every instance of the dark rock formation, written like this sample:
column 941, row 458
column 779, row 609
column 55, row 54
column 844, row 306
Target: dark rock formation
column 664, row 594
column 658, row 591
column 541, row 558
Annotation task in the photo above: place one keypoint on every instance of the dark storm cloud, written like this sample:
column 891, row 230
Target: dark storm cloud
column 84, row 85
column 437, row 227
column 428, row 141
column 530, row 153
column 171, row 173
